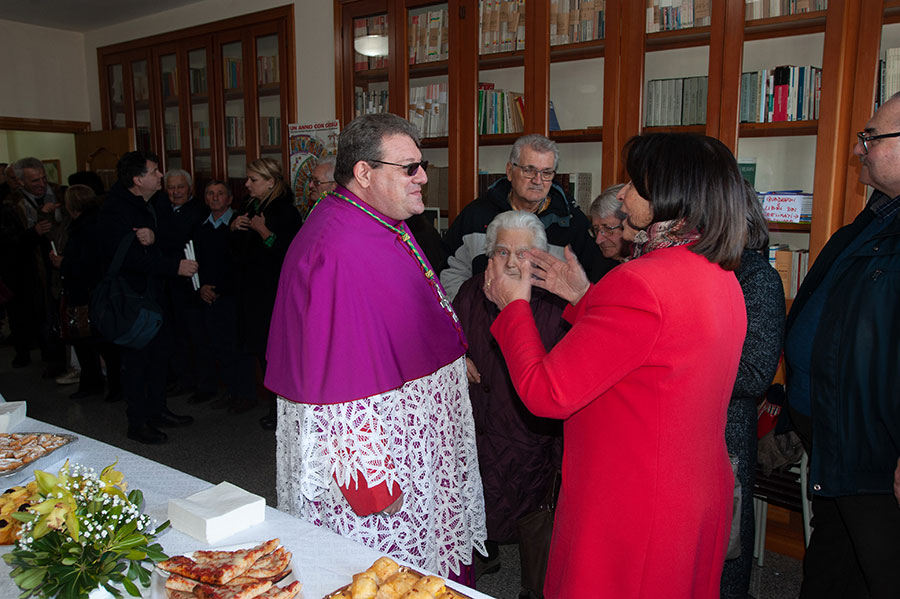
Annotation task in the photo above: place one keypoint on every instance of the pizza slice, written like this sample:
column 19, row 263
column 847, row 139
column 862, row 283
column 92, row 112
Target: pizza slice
column 173, row 594
column 239, row 591
column 217, row 567
column 270, row 565
column 287, row 592
column 180, row 583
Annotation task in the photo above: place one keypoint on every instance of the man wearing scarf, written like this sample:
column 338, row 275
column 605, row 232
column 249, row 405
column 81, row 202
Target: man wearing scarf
column 375, row 433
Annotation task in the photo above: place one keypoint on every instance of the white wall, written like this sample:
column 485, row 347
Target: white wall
column 56, row 77
column 313, row 40
column 42, row 145
column 44, row 73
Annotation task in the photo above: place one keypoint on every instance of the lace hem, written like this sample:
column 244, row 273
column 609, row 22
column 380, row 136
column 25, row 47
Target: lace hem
column 421, row 437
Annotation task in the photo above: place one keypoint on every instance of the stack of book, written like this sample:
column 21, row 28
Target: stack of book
column 267, row 69
column 234, row 132
column 573, row 21
column 234, row 73
column 791, row 266
column 371, row 102
column 172, row 138
column 200, row 134
column 198, row 81
column 785, row 93
column 679, row 101
column 428, row 109
column 500, row 111
column 501, row 26
column 270, row 131
column 169, row 84
column 668, row 15
column 429, row 38
column 888, row 82
column 763, row 9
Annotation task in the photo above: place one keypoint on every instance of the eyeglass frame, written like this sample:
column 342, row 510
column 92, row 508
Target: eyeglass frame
column 863, row 139
column 411, row 169
column 543, row 173
column 316, row 182
column 603, row 230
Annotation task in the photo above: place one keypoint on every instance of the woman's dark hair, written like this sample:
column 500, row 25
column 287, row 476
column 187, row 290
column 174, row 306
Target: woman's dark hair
column 89, row 178
column 695, row 178
column 757, row 226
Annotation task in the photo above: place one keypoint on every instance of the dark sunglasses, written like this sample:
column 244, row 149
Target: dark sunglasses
column 411, row 169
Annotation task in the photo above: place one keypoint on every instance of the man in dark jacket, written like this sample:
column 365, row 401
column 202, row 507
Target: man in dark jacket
column 843, row 358
column 178, row 214
column 127, row 212
column 32, row 218
column 528, row 186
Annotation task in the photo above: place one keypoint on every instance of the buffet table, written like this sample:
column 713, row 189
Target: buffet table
column 323, row 561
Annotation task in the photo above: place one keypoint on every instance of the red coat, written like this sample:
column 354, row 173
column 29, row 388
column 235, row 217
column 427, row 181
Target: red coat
column 643, row 381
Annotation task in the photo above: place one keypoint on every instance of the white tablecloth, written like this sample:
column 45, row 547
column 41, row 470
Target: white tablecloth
column 323, row 560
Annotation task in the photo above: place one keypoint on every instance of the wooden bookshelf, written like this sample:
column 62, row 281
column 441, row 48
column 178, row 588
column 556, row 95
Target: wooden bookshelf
column 211, row 106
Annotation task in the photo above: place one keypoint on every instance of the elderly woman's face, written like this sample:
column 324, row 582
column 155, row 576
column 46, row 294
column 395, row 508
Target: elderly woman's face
column 639, row 211
column 608, row 235
column 510, row 250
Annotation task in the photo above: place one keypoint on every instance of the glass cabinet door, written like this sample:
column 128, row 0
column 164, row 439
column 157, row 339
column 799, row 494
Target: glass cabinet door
column 117, row 119
column 268, row 86
column 370, row 41
column 168, row 73
column 141, row 82
column 234, row 124
column 200, row 119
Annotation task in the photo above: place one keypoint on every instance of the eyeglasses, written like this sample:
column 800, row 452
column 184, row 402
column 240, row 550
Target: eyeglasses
column 411, row 169
column 530, row 172
column 864, row 138
column 603, row 230
column 316, row 182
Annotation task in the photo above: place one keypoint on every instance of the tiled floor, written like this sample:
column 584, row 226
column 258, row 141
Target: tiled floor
column 221, row 446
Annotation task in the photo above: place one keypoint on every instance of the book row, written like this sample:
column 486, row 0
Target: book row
column 763, row 9
column 785, row 93
column 677, row 101
column 428, row 109
column 669, row 15
column 428, row 36
column 500, row 111
column 376, row 25
column 371, row 102
column 791, row 266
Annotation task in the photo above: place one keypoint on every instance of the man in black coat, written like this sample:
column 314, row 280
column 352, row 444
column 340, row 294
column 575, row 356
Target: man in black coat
column 178, row 213
column 843, row 365
column 127, row 212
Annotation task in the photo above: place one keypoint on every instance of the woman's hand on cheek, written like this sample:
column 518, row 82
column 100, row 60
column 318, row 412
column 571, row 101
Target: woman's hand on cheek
column 502, row 289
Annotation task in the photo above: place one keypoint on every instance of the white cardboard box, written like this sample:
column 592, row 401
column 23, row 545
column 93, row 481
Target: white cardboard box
column 12, row 414
column 217, row 512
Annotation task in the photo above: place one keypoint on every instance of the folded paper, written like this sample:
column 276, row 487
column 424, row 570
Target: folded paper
column 217, row 512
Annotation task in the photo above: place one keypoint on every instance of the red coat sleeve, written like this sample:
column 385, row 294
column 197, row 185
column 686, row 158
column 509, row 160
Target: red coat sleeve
column 615, row 327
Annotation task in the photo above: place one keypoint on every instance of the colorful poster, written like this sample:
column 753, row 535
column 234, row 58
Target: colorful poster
column 309, row 143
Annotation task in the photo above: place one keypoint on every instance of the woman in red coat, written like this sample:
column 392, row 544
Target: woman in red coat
column 642, row 380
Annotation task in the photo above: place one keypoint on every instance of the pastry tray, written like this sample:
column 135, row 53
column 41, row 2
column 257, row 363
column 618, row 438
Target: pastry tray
column 50, row 457
column 346, row 587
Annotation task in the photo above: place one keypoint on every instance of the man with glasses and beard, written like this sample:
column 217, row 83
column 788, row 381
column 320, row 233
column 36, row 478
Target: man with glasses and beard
column 529, row 186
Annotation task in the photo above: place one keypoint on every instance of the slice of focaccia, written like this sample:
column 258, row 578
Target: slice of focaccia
column 240, row 591
column 217, row 567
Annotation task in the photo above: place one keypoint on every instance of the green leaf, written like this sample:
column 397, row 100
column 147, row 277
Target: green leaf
column 131, row 588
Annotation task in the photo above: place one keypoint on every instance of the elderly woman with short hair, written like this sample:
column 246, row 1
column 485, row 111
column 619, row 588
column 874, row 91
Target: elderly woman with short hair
column 518, row 453
column 607, row 224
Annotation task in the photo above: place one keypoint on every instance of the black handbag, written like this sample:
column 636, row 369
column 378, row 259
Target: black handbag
column 120, row 314
column 535, row 532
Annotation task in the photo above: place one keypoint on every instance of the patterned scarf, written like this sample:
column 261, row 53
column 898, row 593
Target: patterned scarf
column 664, row 234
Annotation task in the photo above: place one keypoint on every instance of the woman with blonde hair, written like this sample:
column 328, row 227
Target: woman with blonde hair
column 259, row 241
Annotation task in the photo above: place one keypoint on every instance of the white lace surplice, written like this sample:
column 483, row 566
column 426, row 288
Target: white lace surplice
column 420, row 436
